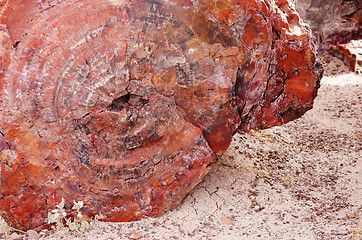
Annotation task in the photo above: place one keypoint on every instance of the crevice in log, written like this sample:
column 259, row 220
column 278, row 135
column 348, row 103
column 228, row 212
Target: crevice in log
column 276, row 32
column 238, row 86
column 16, row 44
column 2, row 147
column 265, row 19
column 271, row 74
column 118, row 104
column 8, row 145
column 86, row 115
column 278, row 95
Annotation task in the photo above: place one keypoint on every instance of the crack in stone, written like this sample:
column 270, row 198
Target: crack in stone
column 193, row 202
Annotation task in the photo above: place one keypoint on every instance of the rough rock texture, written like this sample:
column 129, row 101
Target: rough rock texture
column 332, row 22
column 125, row 105
column 355, row 48
column 344, row 54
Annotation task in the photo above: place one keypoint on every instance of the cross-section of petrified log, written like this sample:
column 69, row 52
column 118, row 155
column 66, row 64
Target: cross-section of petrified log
column 125, row 105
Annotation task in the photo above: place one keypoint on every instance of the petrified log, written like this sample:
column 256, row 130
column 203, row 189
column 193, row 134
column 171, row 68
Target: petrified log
column 125, row 105
column 332, row 22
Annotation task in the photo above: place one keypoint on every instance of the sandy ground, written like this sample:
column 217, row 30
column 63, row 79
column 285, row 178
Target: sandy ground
column 302, row 180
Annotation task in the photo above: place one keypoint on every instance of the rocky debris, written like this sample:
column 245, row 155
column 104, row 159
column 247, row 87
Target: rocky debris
column 32, row 235
column 344, row 54
column 332, row 22
column 124, row 105
column 344, row 58
column 355, row 47
column 334, row 25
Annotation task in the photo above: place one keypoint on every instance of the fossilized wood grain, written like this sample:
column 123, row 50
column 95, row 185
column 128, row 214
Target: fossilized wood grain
column 125, row 105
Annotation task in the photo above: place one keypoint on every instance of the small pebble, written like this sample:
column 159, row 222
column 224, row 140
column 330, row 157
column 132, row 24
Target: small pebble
column 135, row 236
column 32, row 235
column 14, row 236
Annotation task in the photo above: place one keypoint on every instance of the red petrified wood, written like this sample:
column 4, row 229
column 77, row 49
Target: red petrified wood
column 125, row 105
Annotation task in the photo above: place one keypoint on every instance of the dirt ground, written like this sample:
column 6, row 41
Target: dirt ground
column 302, row 180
